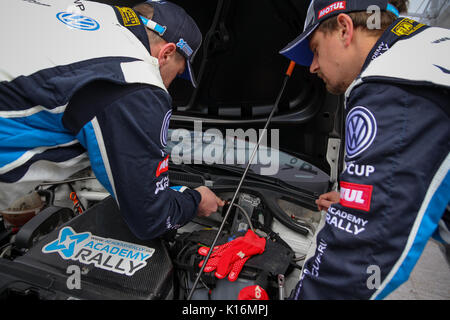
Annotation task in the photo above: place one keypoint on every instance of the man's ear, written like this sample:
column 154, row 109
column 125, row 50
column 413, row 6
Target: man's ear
column 345, row 28
column 166, row 53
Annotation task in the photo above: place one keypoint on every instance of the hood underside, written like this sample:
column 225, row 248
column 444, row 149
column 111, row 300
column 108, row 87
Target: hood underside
column 240, row 72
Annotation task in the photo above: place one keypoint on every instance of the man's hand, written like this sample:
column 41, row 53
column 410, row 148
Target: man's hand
column 327, row 199
column 209, row 203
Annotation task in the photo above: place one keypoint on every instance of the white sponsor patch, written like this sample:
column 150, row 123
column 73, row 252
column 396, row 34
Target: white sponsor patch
column 108, row 254
column 162, row 185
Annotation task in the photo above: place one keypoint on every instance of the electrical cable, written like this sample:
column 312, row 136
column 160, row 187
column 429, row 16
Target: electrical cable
column 245, row 215
column 285, row 80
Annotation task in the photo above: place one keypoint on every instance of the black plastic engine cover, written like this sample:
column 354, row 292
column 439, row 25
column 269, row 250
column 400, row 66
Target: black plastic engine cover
column 114, row 264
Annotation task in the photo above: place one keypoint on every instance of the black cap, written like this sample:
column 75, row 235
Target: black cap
column 320, row 10
column 173, row 24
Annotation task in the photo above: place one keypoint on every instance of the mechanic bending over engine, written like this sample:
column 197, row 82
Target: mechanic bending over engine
column 87, row 86
column 396, row 185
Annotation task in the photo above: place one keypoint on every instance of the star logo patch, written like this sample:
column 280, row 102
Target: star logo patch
column 66, row 242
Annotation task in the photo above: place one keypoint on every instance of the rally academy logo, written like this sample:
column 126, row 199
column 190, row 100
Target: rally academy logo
column 108, row 254
column 361, row 129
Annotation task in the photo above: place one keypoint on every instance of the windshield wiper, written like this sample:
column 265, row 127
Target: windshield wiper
column 219, row 169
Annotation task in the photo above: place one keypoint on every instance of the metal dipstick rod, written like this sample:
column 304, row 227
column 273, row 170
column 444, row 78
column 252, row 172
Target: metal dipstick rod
column 285, row 80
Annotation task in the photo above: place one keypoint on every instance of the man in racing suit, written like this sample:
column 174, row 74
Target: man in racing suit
column 85, row 84
column 395, row 186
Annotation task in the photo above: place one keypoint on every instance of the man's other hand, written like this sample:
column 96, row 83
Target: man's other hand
column 327, row 199
column 209, row 203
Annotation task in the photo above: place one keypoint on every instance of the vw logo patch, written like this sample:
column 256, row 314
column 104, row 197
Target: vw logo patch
column 165, row 128
column 361, row 129
column 77, row 21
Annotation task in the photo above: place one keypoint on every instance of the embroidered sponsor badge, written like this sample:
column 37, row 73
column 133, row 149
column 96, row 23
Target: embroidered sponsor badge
column 184, row 46
column 161, row 185
column 108, row 254
column 163, row 166
column 165, row 128
column 356, row 196
column 359, row 170
column 361, row 129
column 406, row 27
column 78, row 21
column 339, row 5
column 382, row 48
column 129, row 17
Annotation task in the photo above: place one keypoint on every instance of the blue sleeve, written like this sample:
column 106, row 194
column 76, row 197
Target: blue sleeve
column 125, row 140
column 394, row 191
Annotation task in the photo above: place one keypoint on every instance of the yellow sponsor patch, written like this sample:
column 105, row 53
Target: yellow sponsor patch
column 129, row 17
column 406, row 27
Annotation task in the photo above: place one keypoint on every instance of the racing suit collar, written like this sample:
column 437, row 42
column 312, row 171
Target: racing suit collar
column 136, row 26
column 400, row 29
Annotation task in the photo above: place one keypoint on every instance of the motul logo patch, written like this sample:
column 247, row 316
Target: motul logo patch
column 163, row 166
column 357, row 196
column 339, row 5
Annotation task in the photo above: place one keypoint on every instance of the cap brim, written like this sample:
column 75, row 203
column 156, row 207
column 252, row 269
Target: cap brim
column 298, row 50
column 188, row 74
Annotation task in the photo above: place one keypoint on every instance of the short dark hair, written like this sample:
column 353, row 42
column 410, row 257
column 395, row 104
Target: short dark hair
column 360, row 19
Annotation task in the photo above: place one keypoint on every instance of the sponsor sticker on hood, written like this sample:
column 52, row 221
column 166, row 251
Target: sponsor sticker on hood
column 108, row 254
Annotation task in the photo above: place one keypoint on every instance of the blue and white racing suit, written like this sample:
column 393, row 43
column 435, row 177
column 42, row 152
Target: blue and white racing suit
column 395, row 187
column 79, row 88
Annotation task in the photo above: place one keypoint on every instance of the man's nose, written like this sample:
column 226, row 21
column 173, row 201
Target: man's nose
column 314, row 67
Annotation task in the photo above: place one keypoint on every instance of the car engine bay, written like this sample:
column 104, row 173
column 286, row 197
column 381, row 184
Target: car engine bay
column 75, row 225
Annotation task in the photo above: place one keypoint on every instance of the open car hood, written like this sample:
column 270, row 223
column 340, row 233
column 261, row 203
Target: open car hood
column 240, row 73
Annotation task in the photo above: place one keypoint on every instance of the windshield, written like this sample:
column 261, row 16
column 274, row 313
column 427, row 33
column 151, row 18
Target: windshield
column 235, row 149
